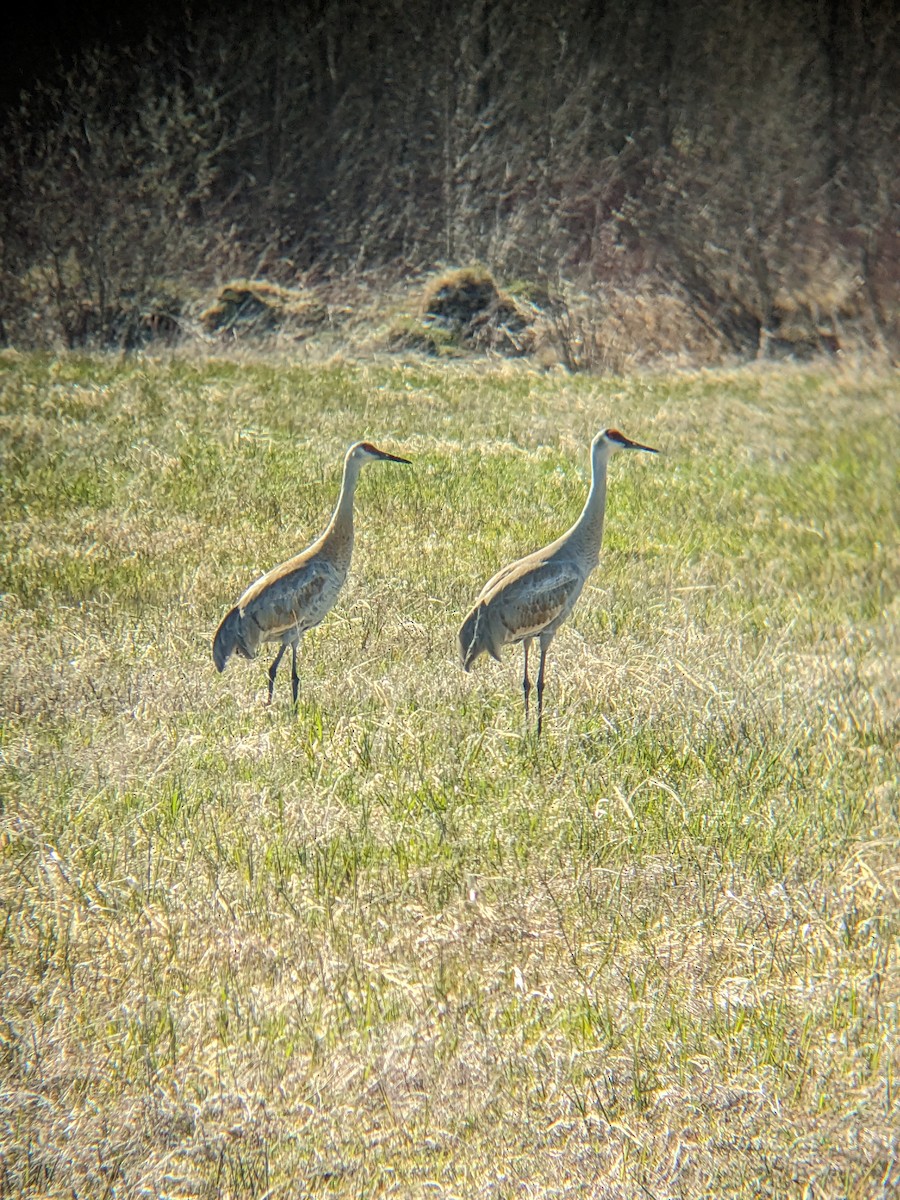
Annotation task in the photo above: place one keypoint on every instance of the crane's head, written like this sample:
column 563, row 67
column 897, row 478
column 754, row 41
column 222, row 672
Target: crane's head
column 611, row 440
column 363, row 452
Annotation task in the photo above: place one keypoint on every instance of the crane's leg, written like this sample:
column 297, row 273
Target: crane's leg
column 526, row 682
column 273, row 670
column 545, row 646
column 295, row 678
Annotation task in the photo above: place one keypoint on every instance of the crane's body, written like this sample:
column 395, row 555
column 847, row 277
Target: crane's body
column 297, row 594
column 532, row 597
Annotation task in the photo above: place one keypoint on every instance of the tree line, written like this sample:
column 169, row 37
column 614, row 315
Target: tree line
column 741, row 156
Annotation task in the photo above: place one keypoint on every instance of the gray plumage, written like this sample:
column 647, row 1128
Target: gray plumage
column 532, row 597
column 297, row 594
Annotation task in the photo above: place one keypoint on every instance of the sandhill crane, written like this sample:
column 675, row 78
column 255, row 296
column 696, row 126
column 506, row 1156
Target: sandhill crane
column 297, row 594
column 532, row 597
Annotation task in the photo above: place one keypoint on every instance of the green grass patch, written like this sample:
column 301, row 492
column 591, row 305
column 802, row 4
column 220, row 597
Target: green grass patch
column 388, row 943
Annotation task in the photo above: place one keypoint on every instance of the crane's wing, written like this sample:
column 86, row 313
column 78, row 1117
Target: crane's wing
column 495, row 581
column 534, row 598
column 291, row 597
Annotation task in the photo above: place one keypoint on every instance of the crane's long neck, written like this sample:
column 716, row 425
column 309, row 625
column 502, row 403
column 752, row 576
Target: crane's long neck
column 338, row 535
column 586, row 535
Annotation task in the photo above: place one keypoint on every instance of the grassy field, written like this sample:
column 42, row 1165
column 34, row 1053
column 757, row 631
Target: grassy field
column 387, row 944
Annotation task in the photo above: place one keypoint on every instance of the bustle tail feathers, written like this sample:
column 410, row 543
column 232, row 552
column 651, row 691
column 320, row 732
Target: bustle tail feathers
column 475, row 638
column 229, row 640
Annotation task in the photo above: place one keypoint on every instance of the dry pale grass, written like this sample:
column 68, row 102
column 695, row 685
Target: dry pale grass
column 388, row 944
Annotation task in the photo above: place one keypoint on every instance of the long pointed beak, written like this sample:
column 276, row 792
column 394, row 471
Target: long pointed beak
column 630, row 445
column 390, row 457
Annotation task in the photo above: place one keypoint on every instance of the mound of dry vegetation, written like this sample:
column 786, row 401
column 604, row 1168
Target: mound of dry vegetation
column 255, row 309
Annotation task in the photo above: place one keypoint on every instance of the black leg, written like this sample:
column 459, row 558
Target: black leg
column 540, row 686
column 526, row 682
column 273, row 670
column 295, row 678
